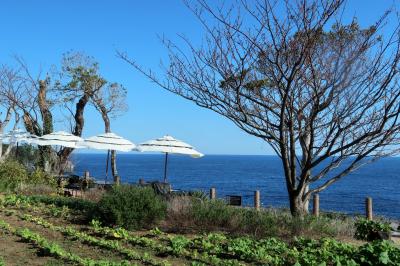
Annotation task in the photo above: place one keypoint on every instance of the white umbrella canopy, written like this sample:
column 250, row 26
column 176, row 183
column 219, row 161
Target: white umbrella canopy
column 108, row 141
column 59, row 138
column 168, row 144
column 16, row 135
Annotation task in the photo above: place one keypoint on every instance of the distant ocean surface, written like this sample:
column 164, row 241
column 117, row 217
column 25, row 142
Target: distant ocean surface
column 242, row 174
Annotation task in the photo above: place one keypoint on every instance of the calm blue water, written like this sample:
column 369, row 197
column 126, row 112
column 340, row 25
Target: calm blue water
column 241, row 175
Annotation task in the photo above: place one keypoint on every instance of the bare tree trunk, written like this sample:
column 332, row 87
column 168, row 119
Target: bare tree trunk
column 47, row 127
column 107, row 128
column 79, row 123
column 3, row 124
column 114, row 166
column 298, row 206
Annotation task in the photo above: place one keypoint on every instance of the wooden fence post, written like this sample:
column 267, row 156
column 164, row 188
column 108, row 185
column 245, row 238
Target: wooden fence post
column 316, row 205
column 257, row 203
column 368, row 208
column 213, row 193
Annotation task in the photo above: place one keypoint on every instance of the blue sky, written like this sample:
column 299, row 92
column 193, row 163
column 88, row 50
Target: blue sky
column 42, row 30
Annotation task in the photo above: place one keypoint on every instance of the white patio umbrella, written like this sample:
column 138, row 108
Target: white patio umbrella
column 59, row 138
column 167, row 145
column 108, row 141
column 16, row 136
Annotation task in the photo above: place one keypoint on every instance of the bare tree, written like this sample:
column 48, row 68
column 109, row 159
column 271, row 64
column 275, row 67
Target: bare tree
column 10, row 86
column 34, row 101
column 322, row 93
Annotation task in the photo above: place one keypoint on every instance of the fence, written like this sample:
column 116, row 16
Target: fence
column 256, row 199
column 315, row 210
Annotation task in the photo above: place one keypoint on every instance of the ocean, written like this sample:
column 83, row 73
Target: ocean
column 243, row 174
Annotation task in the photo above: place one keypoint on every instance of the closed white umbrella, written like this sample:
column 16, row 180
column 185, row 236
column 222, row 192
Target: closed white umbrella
column 59, row 138
column 168, row 144
column 108, row 141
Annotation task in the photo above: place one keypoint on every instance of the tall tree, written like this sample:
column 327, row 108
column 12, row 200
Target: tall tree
column 81, row 84
column 32, row 101
column 78, row 83
column 10, row 86
column 110, row 102
column 322, row 93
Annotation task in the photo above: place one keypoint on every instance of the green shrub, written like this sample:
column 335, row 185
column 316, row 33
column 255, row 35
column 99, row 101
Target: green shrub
column 214, row 213
column 59, row 201
column 131, row 207
column 40, row 177
column 369, row 230
column 378, row 253
column 321, row 252
column 12, row 174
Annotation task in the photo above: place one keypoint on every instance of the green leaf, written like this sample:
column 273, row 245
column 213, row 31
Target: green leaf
column 384, row 257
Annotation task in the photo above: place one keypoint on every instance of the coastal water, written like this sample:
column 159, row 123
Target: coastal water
column 241, row 175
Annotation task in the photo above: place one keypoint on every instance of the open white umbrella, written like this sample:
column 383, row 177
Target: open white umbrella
column 168, row 144
column 108, row 141
column 59, row 138
column 16, row 135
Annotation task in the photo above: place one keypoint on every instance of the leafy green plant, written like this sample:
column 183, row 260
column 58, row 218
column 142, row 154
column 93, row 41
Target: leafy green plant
column 214, row 213
column 38, row 176
column 369, row 230
column 98, row 242
column 178, row 244
column 12, row 174
column 62, row 212
column 378, row 253
column 156, row 231
column 131, row 207
column 54, row 249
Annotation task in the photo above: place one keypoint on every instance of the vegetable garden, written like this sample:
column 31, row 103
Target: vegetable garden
column 56, row 232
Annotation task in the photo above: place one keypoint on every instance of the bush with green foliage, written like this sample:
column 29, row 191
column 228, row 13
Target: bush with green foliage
column 12, row 175
column 369, row 230
column 39, row 176
column 131, row 207
column 378, row 253
column 212, row 215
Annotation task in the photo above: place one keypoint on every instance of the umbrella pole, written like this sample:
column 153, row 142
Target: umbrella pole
column 108, row 158
column 165, row 167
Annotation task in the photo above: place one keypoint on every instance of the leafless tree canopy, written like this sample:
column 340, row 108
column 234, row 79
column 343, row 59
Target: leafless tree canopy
column 322, row 93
